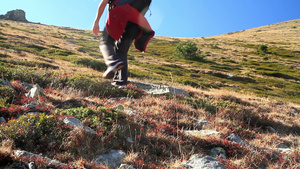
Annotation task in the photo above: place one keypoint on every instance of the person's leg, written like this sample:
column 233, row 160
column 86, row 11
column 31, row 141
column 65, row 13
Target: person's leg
column 131, row 32
column 108, row 50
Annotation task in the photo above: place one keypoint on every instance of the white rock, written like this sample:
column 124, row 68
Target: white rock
column 35, row 91
column 234, row 138
column 201, row 122
column 129, row 139
column 72, row 121
column 156, row 89
column 125, row 166
column 229, row 75
column 112, row 160
column 201, row 132
column 131, row 112
column 199, row 161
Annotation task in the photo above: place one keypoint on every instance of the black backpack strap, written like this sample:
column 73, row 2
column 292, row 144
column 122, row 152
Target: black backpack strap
column 141, row 5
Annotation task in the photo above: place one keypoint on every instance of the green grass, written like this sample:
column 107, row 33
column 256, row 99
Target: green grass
column 273, row 69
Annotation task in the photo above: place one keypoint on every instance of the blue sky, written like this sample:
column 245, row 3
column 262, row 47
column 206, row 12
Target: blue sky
column 175, row 18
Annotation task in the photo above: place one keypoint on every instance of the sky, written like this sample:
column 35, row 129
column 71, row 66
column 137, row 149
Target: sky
column 173, row 18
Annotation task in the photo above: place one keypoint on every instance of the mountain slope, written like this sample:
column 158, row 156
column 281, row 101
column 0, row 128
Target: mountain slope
column 234, row 88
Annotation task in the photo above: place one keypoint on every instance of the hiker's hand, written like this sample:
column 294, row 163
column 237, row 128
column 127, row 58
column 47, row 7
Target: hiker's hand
column 96, row 29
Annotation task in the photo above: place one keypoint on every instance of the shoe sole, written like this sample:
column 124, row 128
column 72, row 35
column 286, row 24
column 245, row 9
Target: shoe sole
column 110, row 73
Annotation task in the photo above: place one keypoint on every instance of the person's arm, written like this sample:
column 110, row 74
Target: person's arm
column 101, row 8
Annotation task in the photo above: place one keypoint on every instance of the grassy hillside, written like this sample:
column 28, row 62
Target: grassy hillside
column 234, row 85
column 274, row 74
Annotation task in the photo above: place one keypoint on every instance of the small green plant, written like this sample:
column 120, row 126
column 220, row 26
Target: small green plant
column 34, row 132
column 187, row 51
column 265, row 58
column 6, row 96
column 101, row 117
column 262, row 49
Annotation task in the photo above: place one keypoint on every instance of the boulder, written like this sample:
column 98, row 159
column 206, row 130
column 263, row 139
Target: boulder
column 15, row 15
column 218, row 152
column 113, row 160
column 157, row 89
column 27, row 86
column 199, row 161
column 234, row 138
column 35, row 91
column 72, row 121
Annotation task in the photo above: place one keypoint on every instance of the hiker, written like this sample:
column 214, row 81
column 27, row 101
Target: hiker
column 126, row 23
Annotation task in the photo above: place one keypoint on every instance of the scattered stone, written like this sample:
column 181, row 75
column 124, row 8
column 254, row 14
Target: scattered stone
column 32, row 107
column 294, row 112
column 271, row 129
column 49, row 162
column 130, row 112
column 201, row 123
column 229, row 75
column 129, row 139
column 156, row 89
column 119, row 107
column 201, row 132
column 112, row 160
column 125, row 166
column 2, row 120
column 218, row 152
column 285, row 150
column 281, row 145
column 16, row 51
column 31, row 165
column 27, row 86
column 6, row 83
column 35, row 91
column 72, row 121
column 234, row 138
column 199, row 161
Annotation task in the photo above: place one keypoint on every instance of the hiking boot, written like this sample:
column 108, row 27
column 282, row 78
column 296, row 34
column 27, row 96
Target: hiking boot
column 119, row 86
column 122, row 87
column 110, row 71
